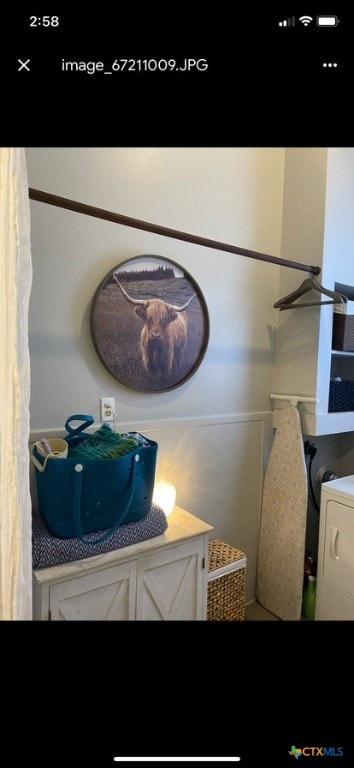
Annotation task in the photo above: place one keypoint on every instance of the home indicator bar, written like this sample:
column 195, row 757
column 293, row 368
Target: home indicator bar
column 177, row 759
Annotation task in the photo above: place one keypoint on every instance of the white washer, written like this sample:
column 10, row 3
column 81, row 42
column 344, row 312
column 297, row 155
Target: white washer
column 335, row 567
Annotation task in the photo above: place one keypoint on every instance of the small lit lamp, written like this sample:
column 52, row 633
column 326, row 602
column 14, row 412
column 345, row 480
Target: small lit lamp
column 164, row 496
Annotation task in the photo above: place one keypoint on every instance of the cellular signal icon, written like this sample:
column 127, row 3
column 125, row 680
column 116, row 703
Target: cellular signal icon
column 305, row 20
column 287, row 22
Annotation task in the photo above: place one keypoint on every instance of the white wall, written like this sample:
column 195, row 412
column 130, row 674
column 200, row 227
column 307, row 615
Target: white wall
column 230, row 194
column 297, row 334
column 338, row 264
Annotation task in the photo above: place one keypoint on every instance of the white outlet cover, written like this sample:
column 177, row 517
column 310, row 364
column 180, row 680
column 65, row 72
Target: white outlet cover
column 107, row 408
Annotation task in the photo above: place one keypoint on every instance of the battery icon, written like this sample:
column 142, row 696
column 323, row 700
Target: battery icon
column 327, row 21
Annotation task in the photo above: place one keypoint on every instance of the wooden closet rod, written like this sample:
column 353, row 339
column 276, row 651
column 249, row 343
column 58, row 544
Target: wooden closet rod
column 157, row 229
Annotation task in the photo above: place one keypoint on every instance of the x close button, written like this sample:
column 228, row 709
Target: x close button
column 23, row 65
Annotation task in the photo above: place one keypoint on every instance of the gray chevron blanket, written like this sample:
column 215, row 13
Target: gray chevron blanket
column 48, row 550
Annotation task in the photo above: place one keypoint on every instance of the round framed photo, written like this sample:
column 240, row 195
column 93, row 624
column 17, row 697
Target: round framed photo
column 150, row 324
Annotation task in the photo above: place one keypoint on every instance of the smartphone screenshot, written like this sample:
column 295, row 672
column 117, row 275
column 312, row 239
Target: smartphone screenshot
column 158, row 146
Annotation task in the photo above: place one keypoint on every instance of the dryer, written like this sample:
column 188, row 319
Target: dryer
column 335, row 566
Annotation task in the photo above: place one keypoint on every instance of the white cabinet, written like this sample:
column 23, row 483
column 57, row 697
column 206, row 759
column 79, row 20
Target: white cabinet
column 317, row 229
column 170, row 584
column 163, row 579
column 107, row 594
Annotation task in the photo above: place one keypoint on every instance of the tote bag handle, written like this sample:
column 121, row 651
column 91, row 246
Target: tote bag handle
column 74, row 434
column 73, row 437
column 79, row 469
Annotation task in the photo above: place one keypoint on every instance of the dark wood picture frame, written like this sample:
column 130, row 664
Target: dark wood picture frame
column 150, row 323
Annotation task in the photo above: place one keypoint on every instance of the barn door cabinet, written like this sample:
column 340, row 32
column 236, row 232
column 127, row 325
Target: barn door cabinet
column 162, row 579
column 317, row 229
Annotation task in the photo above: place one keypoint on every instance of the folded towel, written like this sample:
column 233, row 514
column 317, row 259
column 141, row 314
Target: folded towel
column 49, row 550
column 105, row 443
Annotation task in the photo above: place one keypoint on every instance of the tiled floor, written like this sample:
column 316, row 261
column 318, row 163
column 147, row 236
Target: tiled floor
column 256, row 612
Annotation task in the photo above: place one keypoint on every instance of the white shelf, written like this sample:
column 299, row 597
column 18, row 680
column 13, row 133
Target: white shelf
column 305, row 355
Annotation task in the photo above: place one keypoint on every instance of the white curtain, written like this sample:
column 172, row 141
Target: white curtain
column 15, row 287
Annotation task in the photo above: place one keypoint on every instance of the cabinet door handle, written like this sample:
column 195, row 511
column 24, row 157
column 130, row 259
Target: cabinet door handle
column 334, row 546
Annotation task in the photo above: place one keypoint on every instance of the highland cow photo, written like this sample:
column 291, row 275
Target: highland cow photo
column 150, row 324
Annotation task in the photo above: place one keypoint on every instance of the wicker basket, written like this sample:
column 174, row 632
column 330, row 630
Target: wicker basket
column 343, row 332
column 341, row 396
column 226, row 582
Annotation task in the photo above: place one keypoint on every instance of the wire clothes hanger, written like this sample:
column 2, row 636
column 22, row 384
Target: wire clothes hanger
column 310, row 284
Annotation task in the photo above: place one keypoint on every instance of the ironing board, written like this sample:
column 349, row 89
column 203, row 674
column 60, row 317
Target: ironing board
column 281, row 551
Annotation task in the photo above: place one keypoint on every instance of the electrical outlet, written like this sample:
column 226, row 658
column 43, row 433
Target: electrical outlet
column 107, row 408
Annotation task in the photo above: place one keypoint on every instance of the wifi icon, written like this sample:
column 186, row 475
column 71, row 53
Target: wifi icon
column 305, row 20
